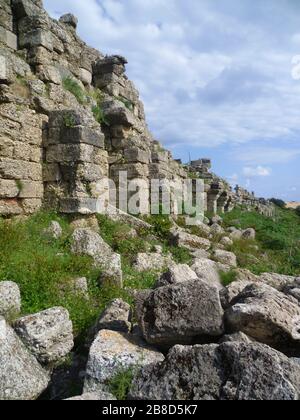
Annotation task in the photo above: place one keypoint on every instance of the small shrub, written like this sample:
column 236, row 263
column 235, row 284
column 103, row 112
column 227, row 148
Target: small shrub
column 120, row 384
column 228, row 277
column 99, row 115
column 73, row 87
column 129, row 105
column 297, row 211
column 161, row 225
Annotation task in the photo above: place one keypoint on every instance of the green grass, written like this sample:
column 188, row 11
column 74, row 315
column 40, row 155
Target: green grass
column 277, row 245
column 73, row 87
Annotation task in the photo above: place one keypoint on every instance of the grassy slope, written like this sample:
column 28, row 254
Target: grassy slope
column 44, row 268
column 277, row 247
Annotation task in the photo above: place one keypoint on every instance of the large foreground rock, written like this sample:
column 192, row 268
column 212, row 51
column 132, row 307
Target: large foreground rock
column 88, row 242
column 230, row 371
column 10, row 299
column 47, row 334
column 21, row 376
column 266, row 315
column 180, row 314
column 112, row 353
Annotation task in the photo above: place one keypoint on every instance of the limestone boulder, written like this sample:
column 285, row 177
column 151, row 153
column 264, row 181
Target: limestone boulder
column 21, row 376
column 152, row 262
column 113, row 352
column 226, row 241
column 180, row 313
column 225, row 257
column 88, row 242
column 249, row 234
column 48, row 334
column 176, row 274
column 231, row 371
column 207, row 270
column 216, row 229
column 54, row 230
column 10, row 299
column 267, row 315
column 116, row 317
column 191, row 242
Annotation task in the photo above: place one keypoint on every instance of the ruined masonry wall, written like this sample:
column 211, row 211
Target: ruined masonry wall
column 55, row 147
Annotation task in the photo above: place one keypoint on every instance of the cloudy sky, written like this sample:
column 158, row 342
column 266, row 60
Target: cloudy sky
column 219, row 79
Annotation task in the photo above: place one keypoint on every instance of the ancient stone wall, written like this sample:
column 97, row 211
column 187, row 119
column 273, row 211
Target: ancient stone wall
column 70, row 118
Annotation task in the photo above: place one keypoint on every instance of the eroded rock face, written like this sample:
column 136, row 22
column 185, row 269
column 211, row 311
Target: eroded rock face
column 48, row 334
column 266, row 315
column 180, row 313
column 113, row 352
column 21, row 376
column 230, row 371
column 10, row 299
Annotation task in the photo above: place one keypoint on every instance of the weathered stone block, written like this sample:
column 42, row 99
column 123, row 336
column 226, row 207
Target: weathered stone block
column 85, row 76
column 31, row 189
column 10, row 207
column 136, row 156
column 69, row 19
column 66, row 153
column 23, row 8
column 8, row 38
column 36, row 38
column 17, row 169
column 21, row 376
column 160, row 157
column 82, row 134
column 10, row 299
column 49, row 74
column 117, row 114
column 31, row 205
column 48, row 334
column 70, row 119
column 8, row 189
column 134, row 170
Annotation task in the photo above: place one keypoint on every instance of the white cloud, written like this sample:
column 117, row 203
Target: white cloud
column 259, row 171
